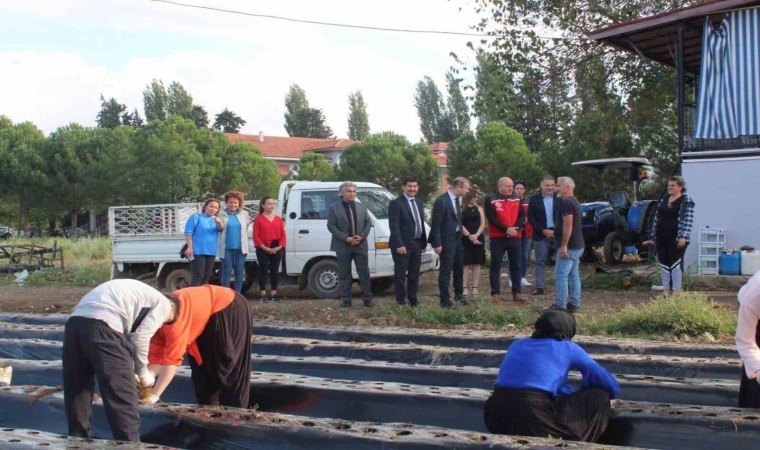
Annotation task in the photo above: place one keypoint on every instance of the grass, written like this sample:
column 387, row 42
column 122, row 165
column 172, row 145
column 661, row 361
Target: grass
column 87, row 262
column 689, row 313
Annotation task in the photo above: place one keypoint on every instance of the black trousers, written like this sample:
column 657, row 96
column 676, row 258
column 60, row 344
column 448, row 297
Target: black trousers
column 361, row 259
column 406, row 273
column 581, row 416
column 749, row 390
column 224, row 378
column 269, row 265
column 201, row 268
column 513, row 248
column 91, row 349
column 452, row 260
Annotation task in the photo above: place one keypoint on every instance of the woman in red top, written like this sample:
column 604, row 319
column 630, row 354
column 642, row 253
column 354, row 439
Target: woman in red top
column 526, row 235
column 213, row 326
column 269, row 239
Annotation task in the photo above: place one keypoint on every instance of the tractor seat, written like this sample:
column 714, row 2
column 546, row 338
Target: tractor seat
column 619, row 199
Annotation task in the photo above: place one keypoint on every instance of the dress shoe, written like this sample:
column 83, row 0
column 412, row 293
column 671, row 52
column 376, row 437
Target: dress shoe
column 413, row 304
column 554, row 307
column 462, row 300
column 518, row 298
column 496, row 298
column 447, row 305
column 572, row 309
column 368, row 305
column 538, row 291
column 345, row 305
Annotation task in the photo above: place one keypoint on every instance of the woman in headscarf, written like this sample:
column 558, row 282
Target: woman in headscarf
column 213, row 326
column 532, row 396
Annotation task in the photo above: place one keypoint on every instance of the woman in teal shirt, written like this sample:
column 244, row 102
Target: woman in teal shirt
column 202, row 237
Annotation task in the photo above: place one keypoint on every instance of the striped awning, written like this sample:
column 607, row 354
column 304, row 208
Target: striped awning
column 728, row 103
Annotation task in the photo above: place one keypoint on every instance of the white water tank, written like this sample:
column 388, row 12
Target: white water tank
column 750, row 262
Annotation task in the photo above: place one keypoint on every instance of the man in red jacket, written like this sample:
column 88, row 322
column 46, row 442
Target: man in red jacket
column 505, row 220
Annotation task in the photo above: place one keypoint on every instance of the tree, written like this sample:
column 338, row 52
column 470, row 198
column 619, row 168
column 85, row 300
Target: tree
column 228, row 122
column 358, row 119
column 132, row 119
column 314, row 166
column 245, row 169
column 494, row 151
column 179, row 101
column 155, row 101
column 386, row 158
column 301, row 120
column 110, row 113
column 429, row 103
column 456, row 105
column 199, row 115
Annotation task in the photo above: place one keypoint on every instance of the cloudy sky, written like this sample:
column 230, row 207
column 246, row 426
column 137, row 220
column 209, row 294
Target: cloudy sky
column 58, row 56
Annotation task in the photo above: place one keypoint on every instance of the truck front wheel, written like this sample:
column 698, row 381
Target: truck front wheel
column 323, row 279
column 178, row 279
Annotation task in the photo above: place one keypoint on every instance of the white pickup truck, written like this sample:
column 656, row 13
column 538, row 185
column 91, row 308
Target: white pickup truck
column 146, row 239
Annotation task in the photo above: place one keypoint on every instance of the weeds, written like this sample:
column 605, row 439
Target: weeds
column 689, row 313
column 480, row 311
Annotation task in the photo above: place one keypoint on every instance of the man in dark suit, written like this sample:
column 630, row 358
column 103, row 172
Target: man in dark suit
column 543, row 207
column 406, row 219
column 446, row 239
column 349, row 223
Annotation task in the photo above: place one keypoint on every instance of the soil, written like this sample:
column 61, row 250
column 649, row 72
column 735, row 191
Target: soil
column 300, row 306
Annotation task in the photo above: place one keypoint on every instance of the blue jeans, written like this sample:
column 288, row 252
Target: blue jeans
column 233, row 260
column 525, row 256
column 567, row 277
column 542, row 256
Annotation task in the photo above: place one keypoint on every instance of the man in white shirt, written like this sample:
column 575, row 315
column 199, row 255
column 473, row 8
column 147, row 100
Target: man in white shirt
column 95, row 345
column 748, row 342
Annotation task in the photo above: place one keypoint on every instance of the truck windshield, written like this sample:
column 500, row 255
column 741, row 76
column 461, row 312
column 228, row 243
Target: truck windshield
column 376, row 200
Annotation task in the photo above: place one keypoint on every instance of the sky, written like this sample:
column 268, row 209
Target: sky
column 57, row 57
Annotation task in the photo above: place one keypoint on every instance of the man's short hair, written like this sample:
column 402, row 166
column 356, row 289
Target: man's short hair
column 547, row 177
column 459, row 181
column 567, row 180
column 345, row 185
column 409, row 179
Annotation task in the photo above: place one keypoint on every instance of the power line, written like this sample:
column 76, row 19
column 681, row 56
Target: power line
column 344, row 25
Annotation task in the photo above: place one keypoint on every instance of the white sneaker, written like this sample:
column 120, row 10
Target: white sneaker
column 657, row 288
column 525, row 283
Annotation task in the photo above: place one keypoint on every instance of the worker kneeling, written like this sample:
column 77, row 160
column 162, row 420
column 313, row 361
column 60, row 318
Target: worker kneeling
column 214, row 327
column 532, row 396
column 96, row 345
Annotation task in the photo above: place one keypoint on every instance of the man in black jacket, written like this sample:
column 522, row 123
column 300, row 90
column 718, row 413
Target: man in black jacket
column 542, row 209
column 408, row 240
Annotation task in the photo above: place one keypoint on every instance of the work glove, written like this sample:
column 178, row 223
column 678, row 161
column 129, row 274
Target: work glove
column 146, row 379
column 150, row 399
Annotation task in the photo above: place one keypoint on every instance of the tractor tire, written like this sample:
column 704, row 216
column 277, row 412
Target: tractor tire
column 323, row 279
column 613, row 248
column 178, row 279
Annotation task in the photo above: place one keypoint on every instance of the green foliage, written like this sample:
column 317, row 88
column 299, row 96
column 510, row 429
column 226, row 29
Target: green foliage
column 244, row 169
column 179, row 101
column 314, row 166
column 480, row 311
column 457, row 111
column 691, row 313
column 199, row 116
column 155, row 101
column 494, row 151
column 110, row 113
column 430, row 109
column 132, row 119
column 358, row 119
column 386, row 158
column 228, row 122
column 301, row 120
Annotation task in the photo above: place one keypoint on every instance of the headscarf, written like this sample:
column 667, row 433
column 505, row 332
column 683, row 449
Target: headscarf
column 557, row 324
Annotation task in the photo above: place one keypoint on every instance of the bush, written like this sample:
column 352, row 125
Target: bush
column 691, row 313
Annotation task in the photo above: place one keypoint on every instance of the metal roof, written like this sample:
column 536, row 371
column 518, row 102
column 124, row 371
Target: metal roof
column 654, row 36
column 614, row 163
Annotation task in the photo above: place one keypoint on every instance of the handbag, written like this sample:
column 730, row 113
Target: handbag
column 184, row 246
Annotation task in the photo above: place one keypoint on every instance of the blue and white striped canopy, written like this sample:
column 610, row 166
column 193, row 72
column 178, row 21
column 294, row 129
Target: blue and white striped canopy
column 728, row 103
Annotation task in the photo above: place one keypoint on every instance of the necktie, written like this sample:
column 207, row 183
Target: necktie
column 351, row 219
column 417, row 224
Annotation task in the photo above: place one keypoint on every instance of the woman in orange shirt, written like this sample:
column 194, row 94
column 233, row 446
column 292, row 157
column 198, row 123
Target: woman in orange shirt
column 213, row 326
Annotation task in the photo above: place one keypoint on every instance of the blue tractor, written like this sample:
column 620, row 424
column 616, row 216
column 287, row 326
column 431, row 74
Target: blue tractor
column 619, row 220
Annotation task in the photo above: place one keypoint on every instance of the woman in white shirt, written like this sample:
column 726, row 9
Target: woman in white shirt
column 748, row 342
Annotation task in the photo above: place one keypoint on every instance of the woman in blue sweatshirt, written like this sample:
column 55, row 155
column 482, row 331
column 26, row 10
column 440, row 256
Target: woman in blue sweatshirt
column 532, row 396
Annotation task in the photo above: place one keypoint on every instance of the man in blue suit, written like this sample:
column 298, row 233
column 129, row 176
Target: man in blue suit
column 446, row 239
column 406, row 219
column 543, row 208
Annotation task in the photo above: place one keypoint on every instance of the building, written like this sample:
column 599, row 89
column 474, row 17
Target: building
column 715, row 50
